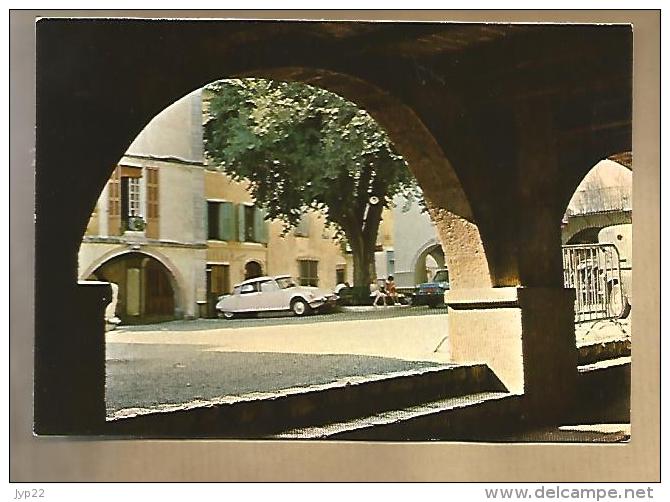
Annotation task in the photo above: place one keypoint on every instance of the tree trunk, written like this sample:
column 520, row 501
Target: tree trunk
column 362, row 237
column 363, row 244
column 364, row 263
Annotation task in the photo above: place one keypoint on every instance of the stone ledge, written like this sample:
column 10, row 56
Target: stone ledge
column 482, row 298
column 265, row 414
column 392, row 417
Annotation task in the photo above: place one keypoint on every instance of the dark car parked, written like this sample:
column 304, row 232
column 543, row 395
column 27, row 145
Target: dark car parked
column 432, row 293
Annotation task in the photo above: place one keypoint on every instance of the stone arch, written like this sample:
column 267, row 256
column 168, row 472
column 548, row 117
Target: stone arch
column 253, row 268
column 419, row 260
column 601, row 197
column 80, row 125
column 594, row 223
column 176, row 278
column 448, row 204
column 619, row 154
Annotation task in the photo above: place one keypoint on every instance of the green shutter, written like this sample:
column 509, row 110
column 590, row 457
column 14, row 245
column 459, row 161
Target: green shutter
column 240, row 222
column 208, row 219
column 226, row 221
column 260, row 226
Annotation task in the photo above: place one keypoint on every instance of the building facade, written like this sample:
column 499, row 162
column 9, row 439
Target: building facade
column 416, row 246
column 174, row 236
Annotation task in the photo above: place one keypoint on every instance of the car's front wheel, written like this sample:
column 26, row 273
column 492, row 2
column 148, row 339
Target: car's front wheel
column 228, row 315
column 300, row 307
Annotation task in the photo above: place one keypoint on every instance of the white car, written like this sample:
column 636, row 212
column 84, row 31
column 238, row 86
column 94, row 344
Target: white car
column 265, row 294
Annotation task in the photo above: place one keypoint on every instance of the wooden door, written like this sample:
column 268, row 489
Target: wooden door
column 159, row 296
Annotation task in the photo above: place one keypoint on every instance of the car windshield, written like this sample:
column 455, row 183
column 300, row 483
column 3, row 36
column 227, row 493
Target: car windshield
column 285, row 283
column 441, row 276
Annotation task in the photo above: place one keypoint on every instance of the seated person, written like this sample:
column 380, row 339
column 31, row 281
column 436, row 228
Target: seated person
column 340, row 287
column 391, row 290
column 377, row 293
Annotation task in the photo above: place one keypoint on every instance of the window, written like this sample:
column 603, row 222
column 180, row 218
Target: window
column 285, row 283
column 251, row 224
column 441, row 276
column 249, row 288
column 340, row 274
column 131, row 208
column 218, row 279
column 134, row 197
column 269, row 286
column 390, row 262
column 302, row 229
column 308, row 272
column 235, row 222
column 221, row 221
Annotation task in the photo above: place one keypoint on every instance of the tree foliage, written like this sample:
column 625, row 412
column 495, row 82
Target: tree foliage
column 301, row 147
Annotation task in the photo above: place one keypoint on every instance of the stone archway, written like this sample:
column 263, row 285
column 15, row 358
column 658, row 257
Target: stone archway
column 430, row 257
column 447, row 201
column 585, row 228
column 445, row 196
column 177, row 281
column 147, row 290
column 440, row 93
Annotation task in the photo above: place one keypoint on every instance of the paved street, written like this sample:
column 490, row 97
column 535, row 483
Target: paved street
column 183, row 361
column 287, row 318
column 148, row 375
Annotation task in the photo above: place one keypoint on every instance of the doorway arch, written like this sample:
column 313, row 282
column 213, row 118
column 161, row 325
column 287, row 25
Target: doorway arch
column 148, row 290
column 429, row 258
column 252, row 269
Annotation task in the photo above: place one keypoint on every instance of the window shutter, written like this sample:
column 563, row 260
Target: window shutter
column 226, row 221
column 240, row 223
column 260, row 226
column 152, row 216
column 114, row 204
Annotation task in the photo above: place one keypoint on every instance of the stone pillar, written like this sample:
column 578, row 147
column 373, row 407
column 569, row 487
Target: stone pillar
column 485, row 327
column 525, row 335
column 549, row 345
column 70, row 372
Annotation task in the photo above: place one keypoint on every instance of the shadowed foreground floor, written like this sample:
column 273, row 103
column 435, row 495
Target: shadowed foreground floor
column 147, row 375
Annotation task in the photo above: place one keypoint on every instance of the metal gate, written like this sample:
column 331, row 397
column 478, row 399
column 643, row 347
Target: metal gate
column 594, row 272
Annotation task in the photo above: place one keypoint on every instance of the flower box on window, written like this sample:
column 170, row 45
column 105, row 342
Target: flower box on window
column 136, row 224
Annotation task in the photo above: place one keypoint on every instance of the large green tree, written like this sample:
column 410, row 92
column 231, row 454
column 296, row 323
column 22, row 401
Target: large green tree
column 301, row 147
